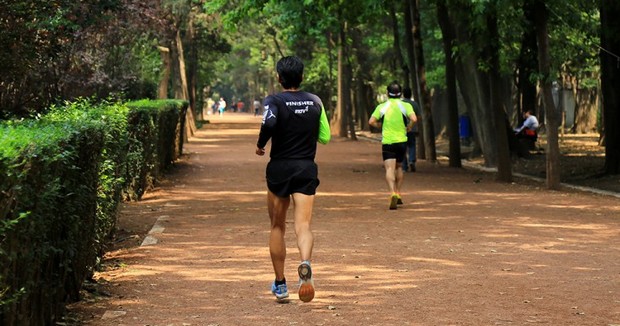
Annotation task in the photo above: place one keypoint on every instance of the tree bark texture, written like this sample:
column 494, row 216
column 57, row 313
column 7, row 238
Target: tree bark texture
column 447, row 31
column 192, row 65
column 190, row 124
column 400, row 60
column 527, row 65
column 473, row 83
column 363, row 95
column 413, row 73
column 501, row 125
column 339, row 121
column 586, row 107
column 610, row 82
column 162, row 92
column 553, row 117
column 424, row 98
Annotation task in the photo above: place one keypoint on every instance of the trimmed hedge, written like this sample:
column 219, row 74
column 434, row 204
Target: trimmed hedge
column 62, row 179
column 155, row 128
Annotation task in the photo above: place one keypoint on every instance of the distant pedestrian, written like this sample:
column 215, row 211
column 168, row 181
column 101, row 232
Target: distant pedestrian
column 210, row 106
column 395, row 118
column 256, row 106
column 222, row 106
column 410, row 158
column 294, row 120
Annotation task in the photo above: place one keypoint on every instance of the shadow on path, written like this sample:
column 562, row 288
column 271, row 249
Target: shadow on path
column 463, row 250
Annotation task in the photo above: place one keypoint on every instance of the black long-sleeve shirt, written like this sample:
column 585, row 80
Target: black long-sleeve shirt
column 294, row 121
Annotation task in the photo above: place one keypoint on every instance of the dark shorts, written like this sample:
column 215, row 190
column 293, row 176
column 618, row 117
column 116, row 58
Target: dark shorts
column 285, row 177
column 394, row 151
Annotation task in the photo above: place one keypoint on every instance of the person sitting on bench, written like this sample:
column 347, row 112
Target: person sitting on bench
column 529, row 128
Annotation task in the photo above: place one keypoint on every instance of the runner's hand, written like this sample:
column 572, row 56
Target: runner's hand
column 260, row 151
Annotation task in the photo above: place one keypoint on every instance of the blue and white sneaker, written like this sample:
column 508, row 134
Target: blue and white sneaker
column 306, row 284
column 280, row 291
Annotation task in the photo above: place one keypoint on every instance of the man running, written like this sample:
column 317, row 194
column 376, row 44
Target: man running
column 391, row 117
column 294, row 120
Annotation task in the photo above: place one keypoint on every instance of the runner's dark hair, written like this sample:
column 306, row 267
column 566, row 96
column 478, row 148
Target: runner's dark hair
column 291, row 71
column 407, row 92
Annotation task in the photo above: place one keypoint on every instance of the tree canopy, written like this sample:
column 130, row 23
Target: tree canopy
column 58, row 50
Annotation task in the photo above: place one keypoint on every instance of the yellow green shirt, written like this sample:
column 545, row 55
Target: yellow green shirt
column 393, row 113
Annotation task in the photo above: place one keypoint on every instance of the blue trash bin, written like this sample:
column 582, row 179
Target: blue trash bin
column 464, row 127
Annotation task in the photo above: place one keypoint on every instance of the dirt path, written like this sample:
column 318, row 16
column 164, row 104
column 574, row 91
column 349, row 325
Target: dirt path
column 463, row 250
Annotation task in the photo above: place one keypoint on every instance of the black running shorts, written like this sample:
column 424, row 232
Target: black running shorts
column 285, row 177
column 394, row 151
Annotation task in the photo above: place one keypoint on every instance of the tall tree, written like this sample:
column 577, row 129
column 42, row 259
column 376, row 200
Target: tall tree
column 504, row 167
column 339, row 119
column 610, row 82
column 363, row 95
column 447, row 31
column 162, row 91
column 527, row 63
column 400, row 61
column 413, row 73
column 553, row 117
column 472, row 78
column 423, row 92
column 180, row 13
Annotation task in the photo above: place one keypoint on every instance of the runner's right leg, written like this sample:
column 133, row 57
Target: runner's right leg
column 390, row 177
column 303, row 216
column 305, row 242
column 277, row 207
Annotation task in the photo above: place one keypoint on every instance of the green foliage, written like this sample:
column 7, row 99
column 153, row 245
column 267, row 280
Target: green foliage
column 575, row 40
column 155, row 141
column 36, row 40
column 50, row 196
column 66, row 172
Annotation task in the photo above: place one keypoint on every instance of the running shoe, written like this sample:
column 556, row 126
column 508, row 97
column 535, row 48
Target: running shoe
column 394, row 201
column 280, row 291
column 306, row 284
column 400, row 200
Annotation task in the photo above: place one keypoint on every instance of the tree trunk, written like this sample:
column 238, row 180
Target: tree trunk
column 586, row 110
column 553, row 118
column 474, row 84
column 348, row 123
column 504, row 167
column 527, row 65
column 610, row 82
column 447, row 31
column 413, row 74
column 192, row 64
column 348, row 103
column 424, row 99
column 330, row 78
column 190, row 123
column 162, row 92
column 400, row 61
column 363, row 94
column 338, row 124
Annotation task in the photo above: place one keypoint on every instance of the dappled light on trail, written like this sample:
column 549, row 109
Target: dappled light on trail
column 568, row 226
column 435, row 261
column 462, row 249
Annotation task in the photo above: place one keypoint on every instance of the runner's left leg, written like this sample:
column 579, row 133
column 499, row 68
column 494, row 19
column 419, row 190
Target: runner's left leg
column 390, row 174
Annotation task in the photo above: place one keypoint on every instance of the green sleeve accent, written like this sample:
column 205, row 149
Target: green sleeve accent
column 325, row 133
